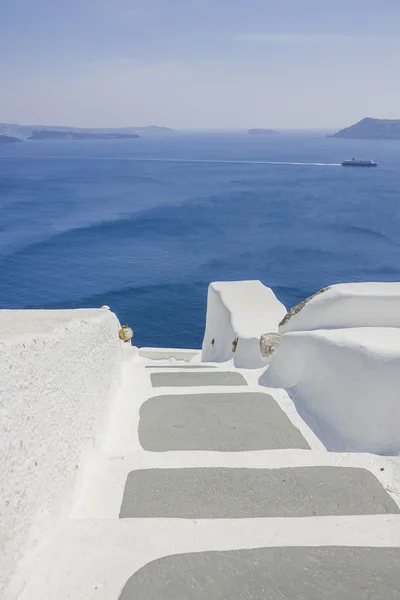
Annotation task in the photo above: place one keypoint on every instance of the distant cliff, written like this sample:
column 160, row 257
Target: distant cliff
column 261, row 131
column 6, row 139
column 44, row 134
column 371, row 129
column 25, row 131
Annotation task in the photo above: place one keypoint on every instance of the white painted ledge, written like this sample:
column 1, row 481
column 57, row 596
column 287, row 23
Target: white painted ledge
column 349, row 305
column 238, row 313
column 345, row 384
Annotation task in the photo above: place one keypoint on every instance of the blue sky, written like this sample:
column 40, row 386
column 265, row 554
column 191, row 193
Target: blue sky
column 199, row 63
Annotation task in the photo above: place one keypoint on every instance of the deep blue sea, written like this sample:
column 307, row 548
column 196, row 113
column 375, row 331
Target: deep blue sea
column 145, row 225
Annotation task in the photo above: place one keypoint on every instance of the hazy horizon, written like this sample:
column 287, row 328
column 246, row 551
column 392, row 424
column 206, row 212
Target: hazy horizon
column 200, row 65
column 163, row 125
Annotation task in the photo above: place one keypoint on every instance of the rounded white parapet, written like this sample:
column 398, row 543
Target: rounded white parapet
column 346, row 305
column 238, row 313
column 345, row 384
column 59, row 371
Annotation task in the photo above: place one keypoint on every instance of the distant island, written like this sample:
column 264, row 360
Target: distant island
column 44, row 134
column 371, row 129
column 26, row 131
column 7, row 139
column 261, row 131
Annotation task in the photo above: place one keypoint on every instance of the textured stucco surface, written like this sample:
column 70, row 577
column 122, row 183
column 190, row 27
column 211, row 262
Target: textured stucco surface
column 327, row 572
column 208, row 493
column 58, row 370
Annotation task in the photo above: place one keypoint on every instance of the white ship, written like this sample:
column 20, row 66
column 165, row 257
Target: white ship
column 354, row 162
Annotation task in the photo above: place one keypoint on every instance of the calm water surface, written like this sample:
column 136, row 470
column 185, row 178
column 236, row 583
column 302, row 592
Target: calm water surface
column 144, row 225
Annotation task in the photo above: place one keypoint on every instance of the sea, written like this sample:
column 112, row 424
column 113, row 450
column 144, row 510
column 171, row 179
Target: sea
column 144, row 225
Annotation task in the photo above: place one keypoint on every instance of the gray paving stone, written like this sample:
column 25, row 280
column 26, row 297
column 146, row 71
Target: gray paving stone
column 196, row 379
column 211, row 492
column 180, row 367
column 327, row 572
column 221, row 422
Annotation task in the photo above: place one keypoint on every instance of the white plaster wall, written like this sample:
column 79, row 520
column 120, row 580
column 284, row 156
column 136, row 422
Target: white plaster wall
column 349, row 305
column 241, row 310
column 58, row 371
column 345, row 383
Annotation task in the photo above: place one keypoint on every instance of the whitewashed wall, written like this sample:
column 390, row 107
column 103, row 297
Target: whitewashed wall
column 366, row 304
column 345, row 383
column 58, row 371
column 238, row 313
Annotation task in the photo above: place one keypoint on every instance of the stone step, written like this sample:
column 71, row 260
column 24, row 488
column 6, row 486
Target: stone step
column 306, row 573
column 179, row 354
column 212, row 493
column 219, row 421
column 112, row 559
column 106, row 476
column 189, row 366
column 186, row 379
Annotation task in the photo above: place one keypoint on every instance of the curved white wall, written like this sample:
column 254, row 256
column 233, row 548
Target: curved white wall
column 345, row 384
column 58, row 370
column 349, row 305
column 242, row 311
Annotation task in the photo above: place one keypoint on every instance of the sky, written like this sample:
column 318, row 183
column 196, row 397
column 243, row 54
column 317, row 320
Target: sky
column 199, row 64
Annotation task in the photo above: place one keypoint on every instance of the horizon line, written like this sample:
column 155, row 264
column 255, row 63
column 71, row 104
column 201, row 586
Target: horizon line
column 273, row 129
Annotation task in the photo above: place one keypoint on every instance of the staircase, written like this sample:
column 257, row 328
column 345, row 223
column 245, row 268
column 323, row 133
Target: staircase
column 210, row 487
